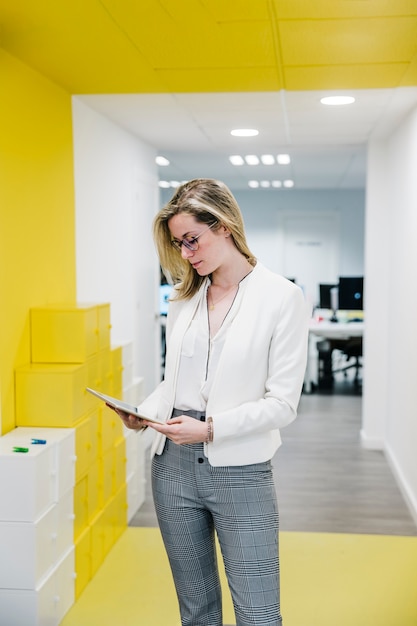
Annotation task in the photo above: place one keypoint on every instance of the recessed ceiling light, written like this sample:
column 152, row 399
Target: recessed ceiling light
column 236, row 159
column 283, row 159
column 267, row 159
column 276, row 184
column 161, row 160
column 337, row 100
column 265, row 184
column 164, row 184
column 253, row 184
column 252, row 159
column 244, row 132
column 288, row 183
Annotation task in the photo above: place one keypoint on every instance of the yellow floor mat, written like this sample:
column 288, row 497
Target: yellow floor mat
column 326, row 580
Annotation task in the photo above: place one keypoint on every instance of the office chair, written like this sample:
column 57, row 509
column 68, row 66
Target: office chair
column 351, row 349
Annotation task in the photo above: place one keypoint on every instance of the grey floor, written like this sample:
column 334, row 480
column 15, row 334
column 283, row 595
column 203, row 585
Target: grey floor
column 326, row 482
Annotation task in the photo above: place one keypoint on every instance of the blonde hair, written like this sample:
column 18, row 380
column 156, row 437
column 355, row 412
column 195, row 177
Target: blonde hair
column 210, row 202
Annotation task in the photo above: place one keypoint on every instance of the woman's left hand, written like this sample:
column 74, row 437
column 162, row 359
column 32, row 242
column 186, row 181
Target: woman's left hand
column 182, row 429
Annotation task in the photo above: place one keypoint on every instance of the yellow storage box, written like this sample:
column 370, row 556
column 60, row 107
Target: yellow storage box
column 64, row 334
column 50, row 395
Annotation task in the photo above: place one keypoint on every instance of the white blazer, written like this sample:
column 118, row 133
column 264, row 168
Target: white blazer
column 260, row 373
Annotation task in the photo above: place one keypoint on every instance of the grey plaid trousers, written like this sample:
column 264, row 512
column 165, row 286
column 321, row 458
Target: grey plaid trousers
column 193, row 500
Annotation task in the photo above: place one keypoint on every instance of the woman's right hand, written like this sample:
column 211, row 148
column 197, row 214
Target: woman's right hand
column 130, row 421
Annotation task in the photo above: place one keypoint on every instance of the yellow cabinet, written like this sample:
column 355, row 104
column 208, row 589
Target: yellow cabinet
column 93, row 491
column 86, row 443
column 106, row 373
column 119, row 456
column 104, row 325
column 106, row 477
column 118, row 508
column 80, row 507
column 50, row 395
column 82, row 562
column 94, row 378
column 98, row 541
column 102, row 537
column 116, row 354
column 64, row 334
column 110, row 429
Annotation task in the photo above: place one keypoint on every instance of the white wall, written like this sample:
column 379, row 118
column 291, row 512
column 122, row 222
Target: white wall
column 263, row 211
column 117, row 197
column 378, row 250
column 390, row 376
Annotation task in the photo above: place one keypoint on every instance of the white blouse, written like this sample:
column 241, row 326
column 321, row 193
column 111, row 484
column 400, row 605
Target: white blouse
column 200, row 354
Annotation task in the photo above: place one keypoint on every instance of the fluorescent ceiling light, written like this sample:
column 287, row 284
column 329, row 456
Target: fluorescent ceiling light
column 165, row 184
column 244, row 132
column 236, row 159
column 161, row 160
column 268, row 184
column 267, row 159
column 283, row 159
column 337, row 100
column 252, row 159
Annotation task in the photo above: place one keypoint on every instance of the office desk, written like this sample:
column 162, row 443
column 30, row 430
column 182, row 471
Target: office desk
column 327, row 330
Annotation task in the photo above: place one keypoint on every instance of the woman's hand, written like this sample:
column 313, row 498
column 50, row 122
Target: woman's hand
column 130, row 421
column 182, row 429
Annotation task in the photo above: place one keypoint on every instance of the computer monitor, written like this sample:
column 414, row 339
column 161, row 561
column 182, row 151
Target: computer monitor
column 325, row 293
column 351, row 293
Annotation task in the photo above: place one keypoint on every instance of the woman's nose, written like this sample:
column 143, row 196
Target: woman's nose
column 185, row 252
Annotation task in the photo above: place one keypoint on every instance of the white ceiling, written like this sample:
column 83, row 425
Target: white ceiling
column 177, row 59
column 327, row 145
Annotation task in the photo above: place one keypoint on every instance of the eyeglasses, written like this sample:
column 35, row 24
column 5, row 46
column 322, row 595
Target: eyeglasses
column 191, row 243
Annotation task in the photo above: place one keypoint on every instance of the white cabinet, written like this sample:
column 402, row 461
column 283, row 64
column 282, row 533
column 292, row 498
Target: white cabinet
column 44, row 606
column 36, row 526
column 28, row 480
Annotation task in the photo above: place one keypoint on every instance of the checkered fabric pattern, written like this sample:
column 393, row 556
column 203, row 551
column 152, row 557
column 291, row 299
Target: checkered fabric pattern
column 193, row 500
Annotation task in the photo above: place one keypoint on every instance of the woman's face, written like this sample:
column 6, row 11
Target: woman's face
column 212, row 245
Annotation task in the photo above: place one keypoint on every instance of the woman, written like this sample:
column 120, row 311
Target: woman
column 236, row 355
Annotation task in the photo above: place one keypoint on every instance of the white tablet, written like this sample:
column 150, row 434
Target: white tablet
column 123, row 406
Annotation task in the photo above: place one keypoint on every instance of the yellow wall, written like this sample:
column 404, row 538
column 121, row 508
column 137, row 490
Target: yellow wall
column 37, row 229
